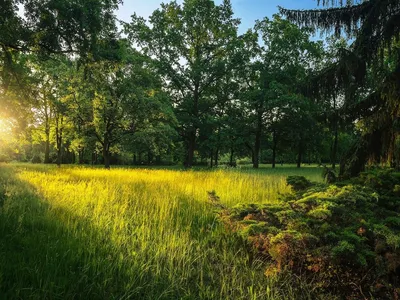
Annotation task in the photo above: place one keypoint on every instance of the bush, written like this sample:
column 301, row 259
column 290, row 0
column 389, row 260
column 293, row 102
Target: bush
column 244, row 161
column 36, row 159
column 347, row 236
column 298, row 183
column 4, row 158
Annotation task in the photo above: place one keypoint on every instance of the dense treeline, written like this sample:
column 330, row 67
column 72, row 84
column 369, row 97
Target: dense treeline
column 185, row 87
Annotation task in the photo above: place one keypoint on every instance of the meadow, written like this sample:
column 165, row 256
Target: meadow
column 88, row 233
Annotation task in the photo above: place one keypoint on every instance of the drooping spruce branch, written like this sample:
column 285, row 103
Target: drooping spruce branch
column 368, row 74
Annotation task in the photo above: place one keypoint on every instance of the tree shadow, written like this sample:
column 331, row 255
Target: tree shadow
column 43, row 257
column 51, row 252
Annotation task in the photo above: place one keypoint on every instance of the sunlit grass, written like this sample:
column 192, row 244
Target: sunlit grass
column 130, row 233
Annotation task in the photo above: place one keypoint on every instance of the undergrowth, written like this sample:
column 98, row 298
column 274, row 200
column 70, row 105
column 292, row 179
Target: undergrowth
column 342, row 239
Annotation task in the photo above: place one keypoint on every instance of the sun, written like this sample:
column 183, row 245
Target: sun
column 5, row 129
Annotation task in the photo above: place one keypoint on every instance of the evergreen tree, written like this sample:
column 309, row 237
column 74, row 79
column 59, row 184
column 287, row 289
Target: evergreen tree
column 368, row 74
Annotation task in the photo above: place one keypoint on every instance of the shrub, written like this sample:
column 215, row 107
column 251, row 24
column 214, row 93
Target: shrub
column 329, row 175
column 36, row 159
column 347, row 235
column 4, row 158
column 298, row 183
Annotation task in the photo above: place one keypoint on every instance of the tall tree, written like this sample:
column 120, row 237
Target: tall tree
column 272, row 76
column 123, row 92
column 374, row 56
column 191, row 43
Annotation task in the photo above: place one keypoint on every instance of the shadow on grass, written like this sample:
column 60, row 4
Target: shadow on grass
column 52, row 253
column 43, row 258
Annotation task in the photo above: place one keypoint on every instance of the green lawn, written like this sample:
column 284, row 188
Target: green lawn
column 89, row 233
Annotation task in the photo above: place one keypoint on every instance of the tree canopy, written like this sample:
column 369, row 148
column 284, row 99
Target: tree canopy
column 184, row 86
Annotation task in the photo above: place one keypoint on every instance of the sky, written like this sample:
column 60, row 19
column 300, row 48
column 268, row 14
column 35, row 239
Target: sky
column 247, row 10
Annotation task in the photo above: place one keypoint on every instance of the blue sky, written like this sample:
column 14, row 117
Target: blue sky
column 247, row 10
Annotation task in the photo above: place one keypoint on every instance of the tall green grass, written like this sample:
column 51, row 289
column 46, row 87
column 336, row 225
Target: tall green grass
column 84, row 233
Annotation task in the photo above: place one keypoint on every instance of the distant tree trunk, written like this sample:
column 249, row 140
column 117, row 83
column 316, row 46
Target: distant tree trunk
column 47, row 115
column 140, row 158
column 193, row 130
column 231, row 158
column 59, row 136
column 47, row 150
column 300, row 154
column 149, row 157
column 191, row 148
column 80, row 155
column 335, row 141
column 257, row 144
column 251, row 151
column 134, row 159
column 106, row 154
column 47, row 142
column 211, row 159
column 334, row 148
column 274, row 145
column 216, row 157
column 355, row 159
column 158, row 159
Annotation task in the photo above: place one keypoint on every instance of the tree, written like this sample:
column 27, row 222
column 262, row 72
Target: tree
column 43, row 28
column 272, row 77
column 374, row 57
column 123, row 93
column 191, row 44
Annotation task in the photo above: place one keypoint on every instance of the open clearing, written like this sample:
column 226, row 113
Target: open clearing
column 80, row 232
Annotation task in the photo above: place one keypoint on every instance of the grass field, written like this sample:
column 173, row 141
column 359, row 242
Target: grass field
column 83, row 233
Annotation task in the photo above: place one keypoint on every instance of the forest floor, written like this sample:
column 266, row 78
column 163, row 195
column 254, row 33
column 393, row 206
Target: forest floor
column 88, row 233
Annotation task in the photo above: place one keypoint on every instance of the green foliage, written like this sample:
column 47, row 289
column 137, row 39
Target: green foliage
column 4, row 158
column 326, row 232
column 36, row 159
column 329, row 175
column 298, row 183
column 146, row 233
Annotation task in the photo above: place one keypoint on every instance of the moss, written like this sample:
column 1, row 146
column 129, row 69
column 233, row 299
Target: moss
column 255, row 229
column 320, row 213
column 332, row 231
column 298, row 183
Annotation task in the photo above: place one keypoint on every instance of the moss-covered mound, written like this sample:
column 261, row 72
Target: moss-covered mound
column 345, row 238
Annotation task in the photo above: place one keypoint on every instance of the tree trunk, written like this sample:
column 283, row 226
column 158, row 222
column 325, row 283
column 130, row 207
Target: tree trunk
column 106, row 155
column 47, row 116
column 80, row 156
column 59, row 129
column 59, row 155
column 47, row 150
column 47, row 142
column 193, row 130
column 274, row 144
column 211, row 159
column 140, row 158
column 231, row 158
column 256, row 153
column 334, row 148
column 300, row 154
column 191, row 148
column 257, row 144
column 216, row 158
column 149, row 158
